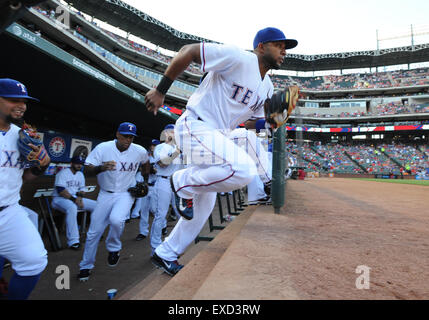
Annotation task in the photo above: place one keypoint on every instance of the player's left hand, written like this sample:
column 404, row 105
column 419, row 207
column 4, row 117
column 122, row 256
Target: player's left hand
column 154, row 100
column 281, row 105
column 39, row 154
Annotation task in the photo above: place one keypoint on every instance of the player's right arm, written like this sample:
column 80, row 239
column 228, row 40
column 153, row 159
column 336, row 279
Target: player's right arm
column 189, row 53
column 94, row 163
column 92, row 170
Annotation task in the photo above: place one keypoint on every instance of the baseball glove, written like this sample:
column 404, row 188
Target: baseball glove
column 36, row 156
column 280, row 106
column 139, row 190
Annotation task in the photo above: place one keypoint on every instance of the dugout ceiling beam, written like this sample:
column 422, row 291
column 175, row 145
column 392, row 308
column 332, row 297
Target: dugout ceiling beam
column 357, row 59
column 136, row 22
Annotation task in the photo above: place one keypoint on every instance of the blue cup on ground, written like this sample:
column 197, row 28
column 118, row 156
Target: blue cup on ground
column 111, row 293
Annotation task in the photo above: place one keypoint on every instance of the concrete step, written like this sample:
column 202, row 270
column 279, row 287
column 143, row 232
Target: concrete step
column 185, row 284
column 199, row 260
column 155, row 281
column 253, row 266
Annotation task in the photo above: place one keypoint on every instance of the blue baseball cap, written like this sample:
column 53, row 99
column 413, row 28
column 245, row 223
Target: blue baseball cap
column 155, row 142
column 169, row 127
column 128, row 128
column 10, row 88
column 273, row 34
column 78, row 160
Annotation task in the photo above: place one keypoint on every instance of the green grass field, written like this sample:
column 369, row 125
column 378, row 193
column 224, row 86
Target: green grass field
column 405, row 181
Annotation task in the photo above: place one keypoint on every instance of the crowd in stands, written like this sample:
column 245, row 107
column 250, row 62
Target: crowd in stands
column 389, row 79
column 335, row 160
column 407, row 156
column 396, row 107
column 390, row 108
column 398, row 159
column 340, row 115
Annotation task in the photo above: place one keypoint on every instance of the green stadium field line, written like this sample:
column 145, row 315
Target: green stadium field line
column 405, row 181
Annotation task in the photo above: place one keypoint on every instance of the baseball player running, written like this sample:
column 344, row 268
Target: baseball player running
column 115, row 163
column 20, row 242
column 236, row 89
column 144, row 205
column 164, row 156
column 68, row 197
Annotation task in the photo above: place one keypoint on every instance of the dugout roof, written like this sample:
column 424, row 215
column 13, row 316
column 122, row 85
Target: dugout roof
column 138, row 23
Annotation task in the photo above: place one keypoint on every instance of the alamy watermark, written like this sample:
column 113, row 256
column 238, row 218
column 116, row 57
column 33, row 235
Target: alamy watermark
column 363, row 280
column 62, row 282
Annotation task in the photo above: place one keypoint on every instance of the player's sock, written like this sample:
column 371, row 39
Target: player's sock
column 2, row 261
column 20, row 287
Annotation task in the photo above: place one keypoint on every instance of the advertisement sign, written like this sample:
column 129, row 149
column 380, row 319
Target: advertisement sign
column 80, row 148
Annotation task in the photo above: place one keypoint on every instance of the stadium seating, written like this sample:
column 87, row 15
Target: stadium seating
column 400, row 78
column 335, row 159
column 382, row 159
column 406, row 155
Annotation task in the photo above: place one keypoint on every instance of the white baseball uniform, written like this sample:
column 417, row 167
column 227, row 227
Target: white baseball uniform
column 33, row 216
column 232, row 92
column 114, row 201
column 255, row 189
column 143, row 205
column 163, row 196
column 20, row 242
column 73, row 183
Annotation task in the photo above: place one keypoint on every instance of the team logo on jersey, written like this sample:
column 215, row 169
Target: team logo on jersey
column 57, row 147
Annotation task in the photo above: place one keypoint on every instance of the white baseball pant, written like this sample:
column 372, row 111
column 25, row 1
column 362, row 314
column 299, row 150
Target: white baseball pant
column 255, row 189
column 111, row 209
column 20, row 242
column 217, row 164
column 33, row 216
column 146, row 206
column 162, row 198
column 70, row 209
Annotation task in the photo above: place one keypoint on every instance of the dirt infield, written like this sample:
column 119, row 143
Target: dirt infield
column 336, row 225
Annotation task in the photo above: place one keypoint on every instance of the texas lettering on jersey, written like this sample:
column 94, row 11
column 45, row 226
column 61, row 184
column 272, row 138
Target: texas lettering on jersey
column 12, row 159
column 245, row 98
column 73, row 183
column 129, row 167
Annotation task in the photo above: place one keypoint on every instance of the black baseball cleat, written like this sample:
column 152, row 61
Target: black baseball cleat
column 83, row 275
column 113, row 259
column 75, row 246
column 140, row 237
column 267, row 188
column 169, row 267
column 184, row 206
column 172, row 216
column 164, row 231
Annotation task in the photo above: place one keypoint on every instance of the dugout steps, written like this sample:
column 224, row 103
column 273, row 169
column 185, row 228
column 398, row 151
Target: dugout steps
column 253, row 265
column 199, row 260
